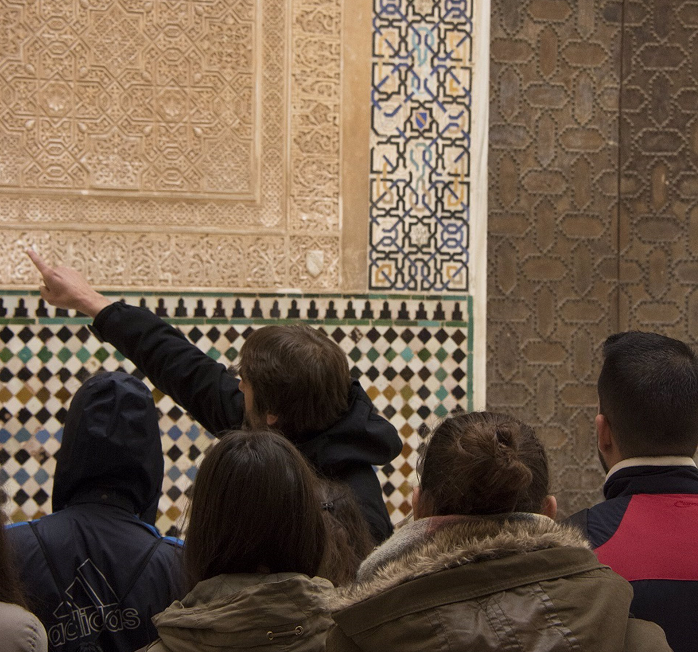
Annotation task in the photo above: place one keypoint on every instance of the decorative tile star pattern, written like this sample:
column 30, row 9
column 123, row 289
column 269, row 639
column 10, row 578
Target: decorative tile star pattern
column 413, row 355
column 421, row 102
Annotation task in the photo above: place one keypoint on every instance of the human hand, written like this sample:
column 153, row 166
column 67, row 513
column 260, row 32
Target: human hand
column 65, row 287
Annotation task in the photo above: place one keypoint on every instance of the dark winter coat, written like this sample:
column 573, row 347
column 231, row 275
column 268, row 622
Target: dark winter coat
column 96, row 570
column 522, row 584
column 347, row 451
column 647, row 531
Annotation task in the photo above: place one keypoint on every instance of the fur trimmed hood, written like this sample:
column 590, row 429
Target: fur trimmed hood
column 436, row 544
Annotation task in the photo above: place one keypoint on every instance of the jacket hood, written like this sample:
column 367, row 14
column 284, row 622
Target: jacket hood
column 111, row 444
column 243, row 611
column 361, row 435
column 431, row 545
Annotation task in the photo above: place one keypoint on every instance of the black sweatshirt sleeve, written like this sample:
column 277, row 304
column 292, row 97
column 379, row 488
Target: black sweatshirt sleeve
column 178, row 368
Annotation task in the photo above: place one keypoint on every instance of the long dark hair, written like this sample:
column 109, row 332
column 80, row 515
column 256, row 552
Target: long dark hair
column 254, row 508
column 483, row 463
column 349, row 540
column 10, row 587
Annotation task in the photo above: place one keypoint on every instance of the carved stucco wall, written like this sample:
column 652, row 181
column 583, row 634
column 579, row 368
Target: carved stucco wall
column 175, row 144
column 591, row 229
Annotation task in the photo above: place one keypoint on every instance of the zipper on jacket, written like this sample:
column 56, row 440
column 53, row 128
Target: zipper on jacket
column 298, row 631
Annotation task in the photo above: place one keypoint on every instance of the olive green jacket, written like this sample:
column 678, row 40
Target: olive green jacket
column 285, row 611
column 470, row 583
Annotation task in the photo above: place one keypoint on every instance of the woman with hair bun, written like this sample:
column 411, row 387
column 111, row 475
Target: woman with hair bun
column 483, row 566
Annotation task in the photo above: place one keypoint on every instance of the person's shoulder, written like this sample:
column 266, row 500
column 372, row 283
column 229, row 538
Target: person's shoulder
column 21, row 630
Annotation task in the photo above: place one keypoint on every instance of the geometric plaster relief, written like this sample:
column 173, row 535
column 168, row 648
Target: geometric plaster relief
column 219, row 119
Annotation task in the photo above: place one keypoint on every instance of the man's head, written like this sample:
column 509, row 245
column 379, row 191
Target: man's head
column 295, row 379
column 648, row 397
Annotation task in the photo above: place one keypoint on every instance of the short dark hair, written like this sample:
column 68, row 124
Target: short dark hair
column 254, row 505
column 297, row 374
column 483, row 463
column 648, row 392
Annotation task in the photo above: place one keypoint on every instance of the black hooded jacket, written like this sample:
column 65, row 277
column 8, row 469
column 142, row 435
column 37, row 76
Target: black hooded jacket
column 96, row 570
column 346, row 452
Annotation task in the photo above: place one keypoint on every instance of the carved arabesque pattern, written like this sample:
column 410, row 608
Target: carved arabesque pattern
column 177, row 117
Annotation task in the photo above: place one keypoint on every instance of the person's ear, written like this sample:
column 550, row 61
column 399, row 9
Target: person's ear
column 416, row 493
column 549, row 507
column 271, row 419
column 604, row 438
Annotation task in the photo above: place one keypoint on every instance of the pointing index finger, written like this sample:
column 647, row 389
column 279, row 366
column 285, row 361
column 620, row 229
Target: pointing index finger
column 39, row 262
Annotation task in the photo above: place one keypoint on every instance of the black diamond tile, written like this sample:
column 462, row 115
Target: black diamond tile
column 4, row 456
column 43, row 415
column 407, row 335
column 174, row 453
column 64, row 375
column 5, row 375
column 25, row 334
column 175, row 413
column 424, row 374
column 458, row 374
column 231, row 334
column 390, row 335
column 64, row 334
column 390, row 373
column 40, row 497
column 458, row 392
column 389, row 412
column 173, row 493
column 372, row 373
column 82, row 374
column 338, row 335
column 6, row 334
column 5, row 416
column 24, row 415
column 83, row 334
column 61, row 415
column 43, row 374
column 194, row 453
column 407, row 374
column 388, row 488
column 213, row 334
column 424, row 335
column 458, row 337
column 424, row 412
column 441, row 335
column 195, row 334
column 24, row 374
column 423, row 393
column 458, row 356
column 21, row 456
column 373, row 335
column 45, row 334
column 21, row 497
column 355, row 373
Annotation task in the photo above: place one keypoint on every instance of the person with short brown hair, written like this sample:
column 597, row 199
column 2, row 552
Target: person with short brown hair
column 483, row 566
column 293, row 378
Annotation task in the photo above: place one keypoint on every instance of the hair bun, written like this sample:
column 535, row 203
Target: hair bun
column 484, row 463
